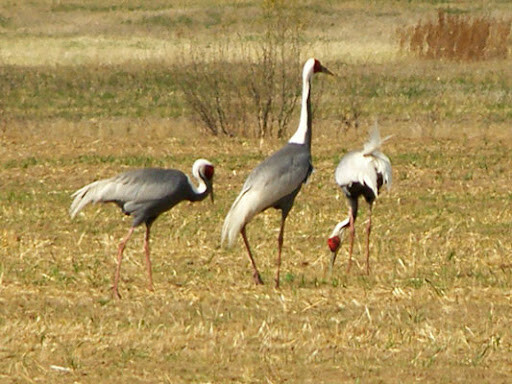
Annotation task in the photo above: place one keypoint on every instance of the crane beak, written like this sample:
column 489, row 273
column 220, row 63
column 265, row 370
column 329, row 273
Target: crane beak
column 333, row 259
column 212, row 195
column 326, row 71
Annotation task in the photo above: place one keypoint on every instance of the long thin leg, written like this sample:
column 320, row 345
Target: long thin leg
column 120, row 250
column 279, row 248
column 368, row 230
column 255, row 274
column 148, row 260
column 352, row 231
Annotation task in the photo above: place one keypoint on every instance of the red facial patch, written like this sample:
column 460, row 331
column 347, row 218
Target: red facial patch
column 317, row 67
column 208, row 171
column 333, row 243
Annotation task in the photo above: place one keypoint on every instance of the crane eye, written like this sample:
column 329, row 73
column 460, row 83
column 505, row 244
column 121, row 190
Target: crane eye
column 208, row 171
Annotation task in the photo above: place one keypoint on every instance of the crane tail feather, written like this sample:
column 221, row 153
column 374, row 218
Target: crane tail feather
column 91, row 193
column 230, row 230
column 235, row 220
column 375, row 141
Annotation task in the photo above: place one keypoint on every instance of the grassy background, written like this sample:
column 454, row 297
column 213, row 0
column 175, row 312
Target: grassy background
column 89, row 90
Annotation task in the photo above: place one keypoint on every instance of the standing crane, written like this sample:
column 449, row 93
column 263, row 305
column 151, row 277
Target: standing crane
column 360, row 173
column 277, row 180
column 144, row 194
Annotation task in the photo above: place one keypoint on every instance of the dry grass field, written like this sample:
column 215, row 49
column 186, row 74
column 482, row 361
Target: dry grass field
column 88, row 90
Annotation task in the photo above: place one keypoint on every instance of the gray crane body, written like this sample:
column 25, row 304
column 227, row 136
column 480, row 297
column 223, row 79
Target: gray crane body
column 275, row 182
column 281, row 176
column 150, row 192
column 143, row 194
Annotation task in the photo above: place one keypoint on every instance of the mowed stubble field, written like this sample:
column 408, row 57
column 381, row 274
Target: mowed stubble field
column 436, row 307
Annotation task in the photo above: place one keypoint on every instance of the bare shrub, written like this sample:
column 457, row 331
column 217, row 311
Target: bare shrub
column 273, row 88
column 210, row 86
column 457, row 37
column 236, row 84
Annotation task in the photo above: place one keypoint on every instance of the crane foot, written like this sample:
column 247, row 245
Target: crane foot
column 257, row 278
column 116, row 294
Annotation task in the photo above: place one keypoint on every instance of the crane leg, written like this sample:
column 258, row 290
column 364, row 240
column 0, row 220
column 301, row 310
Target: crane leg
column 352, row 231
column 148, row 260
column 120, row 250
column 279, row 248
column 368, row 230
column 255, row 274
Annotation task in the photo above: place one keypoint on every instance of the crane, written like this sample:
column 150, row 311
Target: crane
column 144, row 194
column 277, row 180
column 360, row 173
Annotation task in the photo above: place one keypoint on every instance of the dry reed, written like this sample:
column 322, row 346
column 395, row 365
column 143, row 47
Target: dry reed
column 457, row 37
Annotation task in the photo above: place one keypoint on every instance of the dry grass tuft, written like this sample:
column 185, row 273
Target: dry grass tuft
column 457, row 37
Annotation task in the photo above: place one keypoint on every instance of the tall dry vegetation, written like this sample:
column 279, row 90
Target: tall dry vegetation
column 235, row 84
column 457, row 37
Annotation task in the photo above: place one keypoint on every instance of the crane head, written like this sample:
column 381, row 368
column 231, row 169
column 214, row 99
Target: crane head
column 334, row 241
column 313, row 66
column 334, row 244
column 205, row 170
column 318, row 67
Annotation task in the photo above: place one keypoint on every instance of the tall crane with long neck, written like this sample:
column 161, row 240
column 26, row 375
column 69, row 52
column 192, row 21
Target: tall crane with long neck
column 277, row 180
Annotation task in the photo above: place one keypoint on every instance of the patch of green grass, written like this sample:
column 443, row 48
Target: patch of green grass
column 82, row 93
column 214, row 17
column 108, row 6
column 78, row 93
column 16, row 196
column 4, row 21
column 134, row 161
column 23, row 163
column 168, row 21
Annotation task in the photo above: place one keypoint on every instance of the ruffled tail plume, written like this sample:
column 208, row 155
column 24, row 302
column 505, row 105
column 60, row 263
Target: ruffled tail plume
column 375, row 142
column 91, row 193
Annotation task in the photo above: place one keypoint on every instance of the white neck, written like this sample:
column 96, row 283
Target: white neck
column 340, row 227
column 300, row 136
column 201, row 188
column 201, row 191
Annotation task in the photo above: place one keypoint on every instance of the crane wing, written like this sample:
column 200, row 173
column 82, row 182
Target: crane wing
column 279, row 176
column 354, row 167
column 148, row 184
column 132, row 189
column 383, row 167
